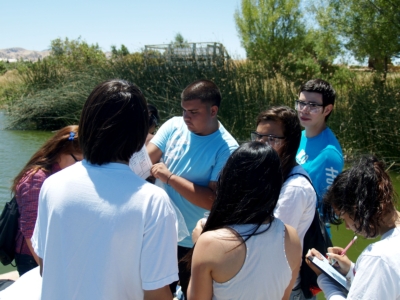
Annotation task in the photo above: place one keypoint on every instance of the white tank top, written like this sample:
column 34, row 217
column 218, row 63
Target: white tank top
column 265, row 273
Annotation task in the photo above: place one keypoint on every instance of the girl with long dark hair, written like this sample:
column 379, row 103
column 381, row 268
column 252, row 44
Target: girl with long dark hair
column 59, row 152
column 244, row 252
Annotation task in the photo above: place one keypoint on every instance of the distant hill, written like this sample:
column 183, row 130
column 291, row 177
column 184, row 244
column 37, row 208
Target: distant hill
column 13, row 54
column 16, row 53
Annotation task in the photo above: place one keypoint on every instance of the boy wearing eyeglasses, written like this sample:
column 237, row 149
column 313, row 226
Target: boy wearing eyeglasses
column 319, row 152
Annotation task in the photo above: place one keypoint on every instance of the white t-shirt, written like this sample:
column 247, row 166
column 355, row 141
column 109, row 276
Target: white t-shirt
column 104, row 233
column 27, row 287
column 296, row 204
column 377, row 272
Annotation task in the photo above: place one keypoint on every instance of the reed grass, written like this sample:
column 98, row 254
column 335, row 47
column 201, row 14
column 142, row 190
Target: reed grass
column 365, row 117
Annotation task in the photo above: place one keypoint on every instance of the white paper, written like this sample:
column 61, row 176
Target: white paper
column 140, row 163
column 326, row 267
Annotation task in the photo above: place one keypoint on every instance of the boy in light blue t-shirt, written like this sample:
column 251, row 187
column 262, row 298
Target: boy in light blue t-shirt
column 188, row 153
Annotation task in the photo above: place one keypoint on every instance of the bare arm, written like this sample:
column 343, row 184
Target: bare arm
column 198, row 195
column 159, row 294
column 202, row 196
column 29, row 243
column 293, row 254
column 200, row 285
column 154, row 153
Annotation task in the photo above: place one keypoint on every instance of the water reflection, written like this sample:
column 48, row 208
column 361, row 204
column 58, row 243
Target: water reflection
column 16, row 147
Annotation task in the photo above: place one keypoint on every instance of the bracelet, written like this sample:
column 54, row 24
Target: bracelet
column 169, row 178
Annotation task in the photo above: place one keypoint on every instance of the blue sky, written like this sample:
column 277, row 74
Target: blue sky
column 33, row 24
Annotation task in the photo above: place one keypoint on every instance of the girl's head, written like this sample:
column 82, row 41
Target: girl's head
column 279, row 126
column 248, row 187
column 362, row 196
column 62, row 148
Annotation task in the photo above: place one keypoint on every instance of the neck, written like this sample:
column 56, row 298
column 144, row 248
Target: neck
column 315, row 130
column 211, row 129
column 389, row 222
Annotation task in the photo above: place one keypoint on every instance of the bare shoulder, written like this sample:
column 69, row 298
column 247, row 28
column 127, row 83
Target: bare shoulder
column 214, row 245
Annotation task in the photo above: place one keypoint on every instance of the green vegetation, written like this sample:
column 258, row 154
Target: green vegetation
column 50, row 93
column 368, row 28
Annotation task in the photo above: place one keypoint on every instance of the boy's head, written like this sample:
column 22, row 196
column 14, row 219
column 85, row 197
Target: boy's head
column 114, row 122
column 323, row 88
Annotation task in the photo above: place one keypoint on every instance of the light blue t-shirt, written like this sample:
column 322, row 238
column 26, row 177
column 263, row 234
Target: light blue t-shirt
column 196, row 158
column 321, row 156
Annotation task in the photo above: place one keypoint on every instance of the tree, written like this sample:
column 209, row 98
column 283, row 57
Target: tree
column 123, row 51
column 179, row 41
column 75, row 54
column 270, row 30
column 369, row 29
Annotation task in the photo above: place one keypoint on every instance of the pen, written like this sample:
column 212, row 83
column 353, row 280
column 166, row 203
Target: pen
column 345, row 249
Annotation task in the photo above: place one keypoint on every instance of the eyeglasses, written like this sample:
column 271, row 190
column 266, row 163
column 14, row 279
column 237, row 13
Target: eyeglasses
column 73, row 156
column 269, row 139
column 313, row 108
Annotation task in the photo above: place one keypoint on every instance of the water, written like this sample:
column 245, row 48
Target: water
column 16, row 147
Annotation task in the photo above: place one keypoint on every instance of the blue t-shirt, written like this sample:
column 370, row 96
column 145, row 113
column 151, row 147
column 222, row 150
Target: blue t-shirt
column 321, row 156
column 196, row 158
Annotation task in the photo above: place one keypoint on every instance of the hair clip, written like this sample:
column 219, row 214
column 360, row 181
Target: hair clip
column 71, row 136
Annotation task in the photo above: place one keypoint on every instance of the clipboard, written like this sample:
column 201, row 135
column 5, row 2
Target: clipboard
column 330, row 271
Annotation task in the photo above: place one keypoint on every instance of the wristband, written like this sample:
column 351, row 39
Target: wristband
column 169, row 178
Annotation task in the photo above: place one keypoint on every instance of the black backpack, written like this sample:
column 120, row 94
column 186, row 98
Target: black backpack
column 316, row 237
column 8, row 231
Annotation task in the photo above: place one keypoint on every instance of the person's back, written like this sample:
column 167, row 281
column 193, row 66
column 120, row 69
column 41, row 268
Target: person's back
column 265, row 251
column 243, row 252
column 102, row 232
column 99, row 216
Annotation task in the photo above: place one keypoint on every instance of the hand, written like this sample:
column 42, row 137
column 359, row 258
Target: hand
column 315, row 253
column 197, row 230
column 160, row 171
column 343, row 263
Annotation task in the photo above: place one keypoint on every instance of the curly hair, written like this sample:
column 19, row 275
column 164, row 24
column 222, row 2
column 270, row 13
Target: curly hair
column 364, row 192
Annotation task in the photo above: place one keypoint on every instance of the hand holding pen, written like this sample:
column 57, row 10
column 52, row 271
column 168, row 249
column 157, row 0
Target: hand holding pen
column 343, row 252
column 338, row 255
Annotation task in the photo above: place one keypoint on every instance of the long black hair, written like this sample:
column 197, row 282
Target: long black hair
column 247, row 190
column 248, row 187
column 365, row 192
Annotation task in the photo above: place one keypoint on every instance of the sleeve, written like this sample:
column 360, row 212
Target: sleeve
column 159, row 263
column 325, row 168
column 163, row 134
column 331, row 290
column 40, row 230
column 28, row 195
column 221, row 161
column 291, row 205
